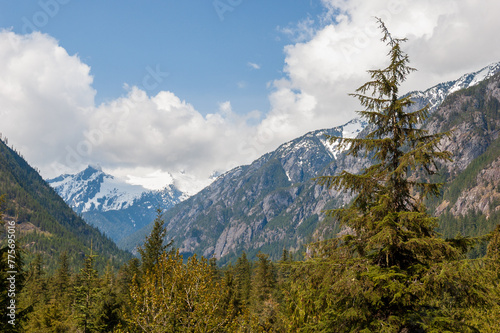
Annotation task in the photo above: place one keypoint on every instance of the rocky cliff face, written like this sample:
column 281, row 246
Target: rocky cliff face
column 473, row 116
column 484, row 196
column 274, row 202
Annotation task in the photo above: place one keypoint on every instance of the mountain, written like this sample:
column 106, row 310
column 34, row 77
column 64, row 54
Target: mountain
column 274, row 203
column 93, row 190
column 241, row 203
column 45, row 224
column 115, row 207
column 470, row 203
column 436, row 95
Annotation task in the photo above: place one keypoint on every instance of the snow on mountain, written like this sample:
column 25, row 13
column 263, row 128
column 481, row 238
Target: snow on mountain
column 114, row 206
column 349, row 130
column 433, row 96
column 437, row 94
column 92, row 189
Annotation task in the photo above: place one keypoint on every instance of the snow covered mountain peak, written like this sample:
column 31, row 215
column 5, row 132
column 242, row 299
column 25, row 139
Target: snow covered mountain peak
column 437, row 94
column 92, row 189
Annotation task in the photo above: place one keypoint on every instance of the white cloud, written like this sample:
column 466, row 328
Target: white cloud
column 47, row 106
column 48, row 113
column 445, row 40
column 45, row 95
column 253, row 65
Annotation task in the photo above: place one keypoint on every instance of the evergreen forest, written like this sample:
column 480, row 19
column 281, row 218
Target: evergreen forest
column 390, row 270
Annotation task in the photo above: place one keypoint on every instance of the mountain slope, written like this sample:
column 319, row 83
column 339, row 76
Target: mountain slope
column 44, row 222
column 436, row 95
column 92, row 190
column 251, row 204
column 116, row 208
column 273, row 203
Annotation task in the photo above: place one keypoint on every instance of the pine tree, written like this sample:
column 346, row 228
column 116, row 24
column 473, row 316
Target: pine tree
column 264, row 304
column 62, row 279
column 154, row 245
column 87, row 293
column 388, row 216
column 243, row 279
column 391, row 272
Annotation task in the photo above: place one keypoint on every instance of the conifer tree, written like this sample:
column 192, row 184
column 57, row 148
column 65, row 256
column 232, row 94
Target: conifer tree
column 87, row 292
column 154, row 245
column 391, row 272
column 62, row 279
column 264, row 304
column 388, row 216
column 243, row 279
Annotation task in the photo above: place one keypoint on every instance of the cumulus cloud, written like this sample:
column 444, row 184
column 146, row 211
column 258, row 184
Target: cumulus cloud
column 445, row 40
column 47, row 106
column 45, row 95
column 48, row 113
column 163, row 131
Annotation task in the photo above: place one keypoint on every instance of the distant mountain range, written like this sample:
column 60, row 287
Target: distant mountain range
column 273, row 203
column 115, row 207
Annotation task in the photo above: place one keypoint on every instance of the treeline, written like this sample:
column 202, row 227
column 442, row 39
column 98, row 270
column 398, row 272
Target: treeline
column 163, row 292
column 44, row 221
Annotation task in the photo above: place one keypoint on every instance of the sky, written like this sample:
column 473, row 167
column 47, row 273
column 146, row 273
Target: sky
column 158, row 90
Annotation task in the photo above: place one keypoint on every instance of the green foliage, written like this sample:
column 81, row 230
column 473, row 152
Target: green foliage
column 49, row 225
column 87, row 292
column 179, row 297
column 391, row 272
column 153, row 246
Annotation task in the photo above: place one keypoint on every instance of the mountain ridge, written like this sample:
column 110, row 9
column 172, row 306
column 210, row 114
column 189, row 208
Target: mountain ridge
column 281, row 192
column 273, row 204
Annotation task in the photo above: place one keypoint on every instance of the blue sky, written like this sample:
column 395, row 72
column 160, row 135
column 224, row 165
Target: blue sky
column 206, row 47
column 160, row 90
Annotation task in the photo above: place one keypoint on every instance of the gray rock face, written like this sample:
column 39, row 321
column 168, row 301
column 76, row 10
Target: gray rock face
column 274, row 203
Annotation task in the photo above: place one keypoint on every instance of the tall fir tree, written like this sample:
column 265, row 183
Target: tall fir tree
column 87, row 294
column 387, row 273
column 388, row 217
column 154, row 245
column 243, row 279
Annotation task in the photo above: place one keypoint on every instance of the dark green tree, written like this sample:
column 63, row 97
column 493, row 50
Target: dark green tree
column 154, row 245
column 11, row 260
column 388, row 218
column 36, row 283
column 87, row 294
column 264, row 304
column 243, row 279
column 385, row 274
column 62, row 279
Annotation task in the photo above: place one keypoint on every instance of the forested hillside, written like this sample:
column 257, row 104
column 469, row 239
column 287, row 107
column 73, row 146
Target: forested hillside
column 45, row 224
column 389, row 270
